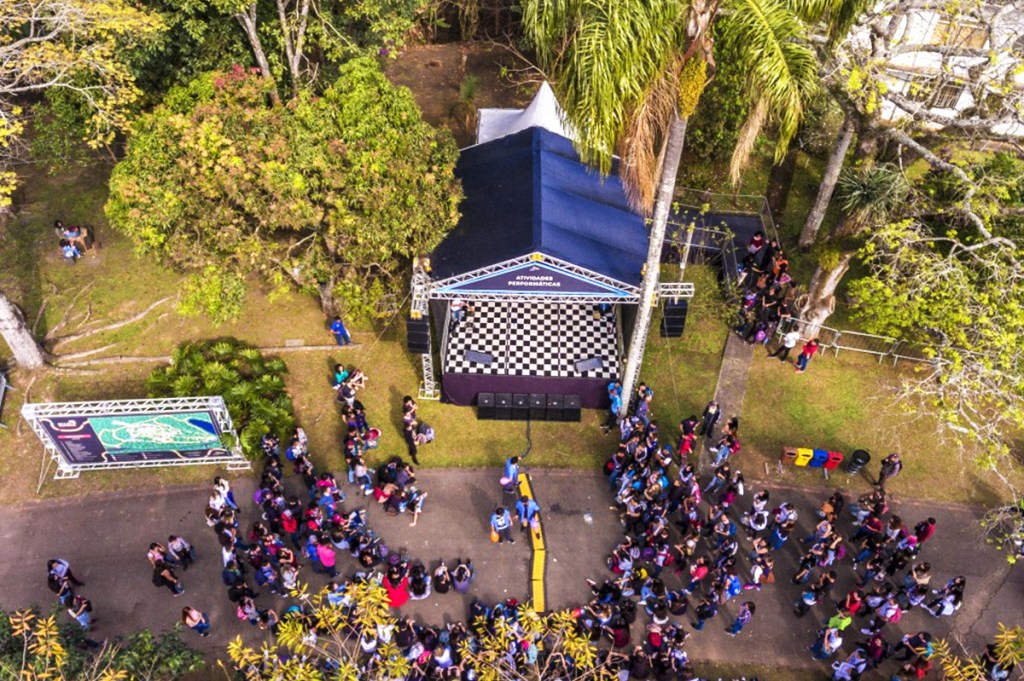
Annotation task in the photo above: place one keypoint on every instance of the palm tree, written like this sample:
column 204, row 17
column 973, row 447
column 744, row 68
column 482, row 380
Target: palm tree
column 630, row 73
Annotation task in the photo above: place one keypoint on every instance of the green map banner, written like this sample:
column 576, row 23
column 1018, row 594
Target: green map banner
column 123, row 438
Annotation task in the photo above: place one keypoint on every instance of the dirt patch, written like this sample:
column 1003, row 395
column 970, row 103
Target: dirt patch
column 435, row 73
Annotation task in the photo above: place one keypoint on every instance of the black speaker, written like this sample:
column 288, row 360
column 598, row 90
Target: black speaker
column 520, row 407
column 556, row 408
column 503, row 406
column 674, row 318
column 485, row 406
column 573, row 407
column 417, row 333
column 538, row 406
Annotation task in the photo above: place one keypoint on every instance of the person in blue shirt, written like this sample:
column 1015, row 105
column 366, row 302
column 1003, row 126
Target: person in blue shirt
column 501, row 523
column 511, row 477
column 527, row 512
column 615, row 396
column 340, row 332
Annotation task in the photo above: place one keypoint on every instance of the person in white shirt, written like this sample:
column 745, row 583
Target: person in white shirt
column 789, row 342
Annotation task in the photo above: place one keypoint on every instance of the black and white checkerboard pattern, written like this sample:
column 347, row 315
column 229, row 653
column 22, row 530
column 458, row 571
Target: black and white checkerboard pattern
column 534, row 339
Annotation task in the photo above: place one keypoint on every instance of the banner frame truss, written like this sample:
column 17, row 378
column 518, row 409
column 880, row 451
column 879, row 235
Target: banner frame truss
column 233, row 458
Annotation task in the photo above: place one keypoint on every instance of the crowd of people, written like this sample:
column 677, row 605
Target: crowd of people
column 694, row 544
column 698, row 546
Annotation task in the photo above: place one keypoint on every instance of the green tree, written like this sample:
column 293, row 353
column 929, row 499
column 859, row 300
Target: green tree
column 252, row 386
column 34, row 647
column 863, row 75
column 332, row 194
column 630, row 74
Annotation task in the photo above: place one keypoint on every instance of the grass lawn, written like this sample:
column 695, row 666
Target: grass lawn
column 838, row 404
column 844, row 403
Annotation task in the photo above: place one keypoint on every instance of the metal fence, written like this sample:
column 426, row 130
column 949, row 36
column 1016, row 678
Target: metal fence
column 883, row 347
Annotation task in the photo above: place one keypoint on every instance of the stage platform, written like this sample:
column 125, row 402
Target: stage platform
column 544, row 340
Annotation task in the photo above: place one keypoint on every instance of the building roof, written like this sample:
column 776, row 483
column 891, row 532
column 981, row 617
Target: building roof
column 543, row 112
column 528, row 193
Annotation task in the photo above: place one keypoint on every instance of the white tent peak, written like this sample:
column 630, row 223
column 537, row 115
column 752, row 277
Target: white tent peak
column 544, row 112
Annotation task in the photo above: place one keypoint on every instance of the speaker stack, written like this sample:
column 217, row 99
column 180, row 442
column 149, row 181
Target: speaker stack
column 417, row 333
column 674, row 319
column 533, row 406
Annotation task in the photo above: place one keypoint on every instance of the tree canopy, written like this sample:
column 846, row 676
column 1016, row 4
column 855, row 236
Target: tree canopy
column 75, row 45
column 34, row 647
column 331, row 194
column 956, row 289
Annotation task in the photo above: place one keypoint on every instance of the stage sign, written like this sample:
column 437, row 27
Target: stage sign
column 535, row 278
column 135, row 433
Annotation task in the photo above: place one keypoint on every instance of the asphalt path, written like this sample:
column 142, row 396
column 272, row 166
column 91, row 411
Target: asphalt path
column 105, row 537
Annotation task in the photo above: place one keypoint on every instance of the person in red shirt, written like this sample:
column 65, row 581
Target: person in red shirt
column 810, row 347
column 924, row 530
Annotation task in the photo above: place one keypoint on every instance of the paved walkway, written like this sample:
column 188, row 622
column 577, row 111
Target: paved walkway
column 106, row 537
column 732, row 377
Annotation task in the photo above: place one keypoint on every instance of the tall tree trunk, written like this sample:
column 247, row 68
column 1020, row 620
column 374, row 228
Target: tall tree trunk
column 649, row 287
column 327, row 302
column 821, row 295
column 294, row 38
column 780, row 182
column 828, row 184
column 27, row 352
column 247, row 18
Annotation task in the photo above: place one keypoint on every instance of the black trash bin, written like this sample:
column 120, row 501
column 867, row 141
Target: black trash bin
column 857, row 461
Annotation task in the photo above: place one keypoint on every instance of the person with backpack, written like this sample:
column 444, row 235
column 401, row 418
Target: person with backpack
column 181, row 551
column 707, row 609
column 163, row 575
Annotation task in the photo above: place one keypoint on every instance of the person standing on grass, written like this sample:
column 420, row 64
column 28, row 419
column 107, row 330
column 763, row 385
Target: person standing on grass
column 196, row 620
column 810, row 347
column 742, row 618
column 341, row 336
column 891, row 467
column 789, row 341
column 501, row 523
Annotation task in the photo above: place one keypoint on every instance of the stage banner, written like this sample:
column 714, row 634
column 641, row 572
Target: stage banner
column 535, row 278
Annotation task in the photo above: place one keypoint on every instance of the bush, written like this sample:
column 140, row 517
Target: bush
column 252, row 386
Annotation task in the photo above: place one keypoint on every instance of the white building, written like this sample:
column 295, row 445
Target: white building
column 944, row 63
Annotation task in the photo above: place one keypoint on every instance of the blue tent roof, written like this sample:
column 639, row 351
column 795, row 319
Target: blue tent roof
column 529, row 192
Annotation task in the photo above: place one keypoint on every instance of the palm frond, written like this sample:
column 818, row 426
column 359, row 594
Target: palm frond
column 604, row 57
column 747, row 137
column 644, row 135
column 769, row 39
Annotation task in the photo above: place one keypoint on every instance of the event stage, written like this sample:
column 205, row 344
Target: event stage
column 535, row 339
